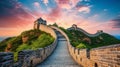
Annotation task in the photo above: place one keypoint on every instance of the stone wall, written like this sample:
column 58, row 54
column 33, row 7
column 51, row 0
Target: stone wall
column 33, row 57
column 48, row 30
column 30, row 58
column 6, row 59
column 64, row 34
column 107, row 56
column 86, row 33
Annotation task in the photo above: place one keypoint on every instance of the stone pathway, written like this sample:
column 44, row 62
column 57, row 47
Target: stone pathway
column 60, row 56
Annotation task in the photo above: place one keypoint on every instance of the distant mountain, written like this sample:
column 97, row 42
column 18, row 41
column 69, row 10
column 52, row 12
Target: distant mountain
column 2, row 38
column 117, row 36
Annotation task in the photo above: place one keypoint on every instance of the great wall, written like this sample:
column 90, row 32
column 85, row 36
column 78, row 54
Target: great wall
column 107, row 56
column 74, row 27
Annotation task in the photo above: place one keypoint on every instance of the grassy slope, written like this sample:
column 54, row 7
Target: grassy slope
column 37, row 39
column 76, row 39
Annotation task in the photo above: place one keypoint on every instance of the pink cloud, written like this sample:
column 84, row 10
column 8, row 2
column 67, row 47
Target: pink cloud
column 36, row 4
column 45, row 2
column 115, row 23
column 107, row 27
column 74, row 2
column 65, row 4
column 62, row 18
column 54, row 14
column 67, row 19
column 17, row 17
column 84, row 9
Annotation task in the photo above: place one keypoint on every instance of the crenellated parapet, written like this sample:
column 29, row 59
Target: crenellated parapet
column 107, row 56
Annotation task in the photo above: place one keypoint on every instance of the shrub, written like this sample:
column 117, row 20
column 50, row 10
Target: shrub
column 81, row 45
column 23, row 47
column 42, row 41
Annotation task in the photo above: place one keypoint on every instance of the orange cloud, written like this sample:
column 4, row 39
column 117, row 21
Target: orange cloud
column 8, row 32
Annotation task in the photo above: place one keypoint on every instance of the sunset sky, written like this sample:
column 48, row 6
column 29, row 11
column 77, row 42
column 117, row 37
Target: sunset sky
column 91, row 15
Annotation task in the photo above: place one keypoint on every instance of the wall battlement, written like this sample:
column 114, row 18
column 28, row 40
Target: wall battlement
column 108, row 56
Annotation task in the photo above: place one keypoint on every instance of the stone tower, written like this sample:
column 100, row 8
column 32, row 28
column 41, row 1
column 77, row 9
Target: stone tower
column 38, row 22
column 74, row 26
column 100, row 31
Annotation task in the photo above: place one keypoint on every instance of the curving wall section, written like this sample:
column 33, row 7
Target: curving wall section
column 33, row 57
column 48, row 30
column 86, row 33
column 30, row 58
column 107, row 56
column 64, row 34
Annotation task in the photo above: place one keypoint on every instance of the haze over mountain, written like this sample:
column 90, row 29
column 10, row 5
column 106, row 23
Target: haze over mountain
column 117, row 36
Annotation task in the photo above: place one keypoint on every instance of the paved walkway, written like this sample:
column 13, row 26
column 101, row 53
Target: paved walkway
column 60, row 56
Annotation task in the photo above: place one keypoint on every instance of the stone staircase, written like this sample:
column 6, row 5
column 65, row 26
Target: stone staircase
column 60, row 56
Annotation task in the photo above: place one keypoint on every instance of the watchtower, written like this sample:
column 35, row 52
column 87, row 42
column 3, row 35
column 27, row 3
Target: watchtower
column 74, row 26
column 38, row 22
column 100, row 31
